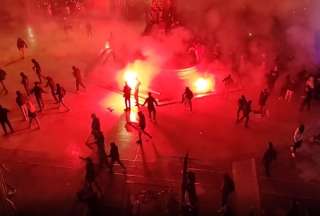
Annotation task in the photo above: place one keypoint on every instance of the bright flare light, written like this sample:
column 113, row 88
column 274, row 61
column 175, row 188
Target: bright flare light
column 203, row 85
column 107, row 45
column 131, row 78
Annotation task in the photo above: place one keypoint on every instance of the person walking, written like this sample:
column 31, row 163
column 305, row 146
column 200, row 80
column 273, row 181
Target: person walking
column 127, row 96
column 306, row 102
column 77, row 75
column 102, row 156
column 21, row 45
column 269, row 156
column 4, row 120
column 297, row 140
column 32, row 114
column 151, row 104
column 95, row 123
column 290, row 90
column 3, row 75
column 246, row 113
column 61, row 92
column 25, row 83
column 263, row 98
column 22, row 104
column 187, row 98
column 52, row 86
column 242, row 101
column 114, row 156
column 37, row 69
column 142, row 125
column 38, row 91
column 90, row 175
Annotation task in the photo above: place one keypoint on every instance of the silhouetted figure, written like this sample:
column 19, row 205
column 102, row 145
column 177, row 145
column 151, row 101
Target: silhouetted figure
column 151, row 105
column 4, row 120
column 290, row 90
column 142, row 125
column 21, row 101
column 136, row 92
column 127, row 96
column 227, row 189
column 114, row 155
column 95, row 124
column 246, row 113
column 102, row 156
column 77, row 75
column 32, row 114
column 52, row 86
column 38, row 91
column 61, row 92
column 284, row 87
column 25, row 83
column 187, row 98
column 269, row 156
column 21, row 45
column 297, row 140
column 306, row 102
column 241, row 106
column 3, row 75
column 90, row 175
column 272, row 77
column 263, row 98
column 37, row 69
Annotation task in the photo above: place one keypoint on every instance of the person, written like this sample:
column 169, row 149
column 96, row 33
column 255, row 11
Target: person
column 37, row 69
column 136, row 92
column 114, row 155
column 187, row 98
column 21, row 44
column 22, row 104
column 95, row 124
column 61, row 92
column 284, row 87
column 151, row 102
column 52, row 86
column 306, row 102
column 269, row 155
column 246, row 113
column 32, row 114
column 127, row 96
column 89, row 29
column 77, row 75
column 264, row 95
column 90, row 176
column 102, row 156
column 3, row 75
column 25, row 83
column 272, row 77
column 38, row 91
column 227, row 189
column 4, row 120
column 297, row 140
column 142, row 125
column 290, row 90
column 242, row 101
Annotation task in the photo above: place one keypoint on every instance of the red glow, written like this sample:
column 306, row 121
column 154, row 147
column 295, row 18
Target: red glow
column 131, row 78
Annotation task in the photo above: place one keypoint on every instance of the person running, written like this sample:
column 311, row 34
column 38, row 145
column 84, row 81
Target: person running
column 21, row 45
column 3, row 75
column 306, row 102
column 22, row 104
column 32, row 114
column 187, row 98
column 37, row 69
column 114, row 155
column 4, row 120
column 242, row 101
column 297, row 140
column 95, row 124
column 263, row 98
column 142, row 126
column 246, row 113
column 25, row 83
column 52, row 86
column 38, row 91
column 151, row 103
column 61, row 92
column 77, row 75
column 269, row 156
column 127, row 96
